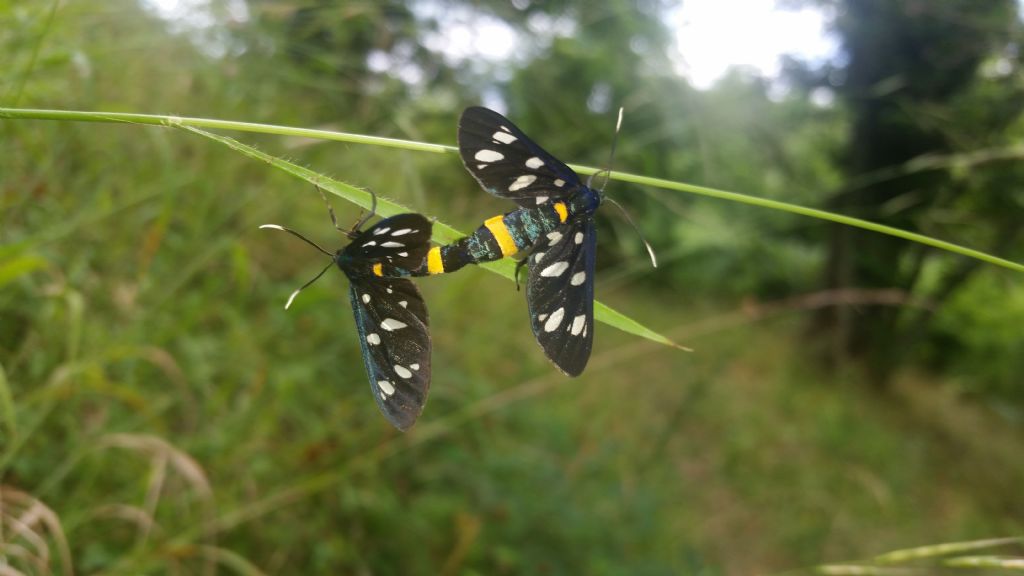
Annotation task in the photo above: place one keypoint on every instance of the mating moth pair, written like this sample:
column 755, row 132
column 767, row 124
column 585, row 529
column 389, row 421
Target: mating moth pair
column 553, row 228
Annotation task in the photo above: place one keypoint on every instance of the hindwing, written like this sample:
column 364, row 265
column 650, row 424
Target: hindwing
column 560, row 294
column 393, row 326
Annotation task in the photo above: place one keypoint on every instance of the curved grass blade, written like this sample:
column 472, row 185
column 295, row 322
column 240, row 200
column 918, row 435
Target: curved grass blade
column 186, row 122
column 813, row 213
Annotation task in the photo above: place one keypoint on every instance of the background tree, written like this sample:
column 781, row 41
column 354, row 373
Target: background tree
column 926, row 85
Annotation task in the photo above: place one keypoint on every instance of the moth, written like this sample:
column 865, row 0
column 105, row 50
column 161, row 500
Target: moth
column 390, row 314
column 553, row 226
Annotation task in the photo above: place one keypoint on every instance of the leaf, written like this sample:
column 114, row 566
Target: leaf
column 443, row 233
column 16, row 267
column 934, row 550
column 7, row 405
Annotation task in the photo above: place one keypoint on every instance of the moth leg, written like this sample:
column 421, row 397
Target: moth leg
column 362, row 219
column 354, row 230
column 330, row 209
column 524, row 260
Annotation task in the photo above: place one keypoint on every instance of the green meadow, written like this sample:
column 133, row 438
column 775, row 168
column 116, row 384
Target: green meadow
column 848, row 394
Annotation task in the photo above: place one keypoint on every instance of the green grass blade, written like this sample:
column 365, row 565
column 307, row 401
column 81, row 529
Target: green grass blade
column 934, row 550
column 7, row 417
column 182, row 121
column 11, row 270
column 442, row 232
column 178, row 121
column 994, row 562
column 813, row 213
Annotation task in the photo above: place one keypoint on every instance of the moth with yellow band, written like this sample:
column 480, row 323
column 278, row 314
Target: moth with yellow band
column 554, row 227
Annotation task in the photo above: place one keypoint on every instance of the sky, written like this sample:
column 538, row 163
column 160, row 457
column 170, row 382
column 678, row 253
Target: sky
column 711, row 35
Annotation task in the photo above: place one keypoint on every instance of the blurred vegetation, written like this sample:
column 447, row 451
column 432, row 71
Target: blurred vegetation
column 160, row 412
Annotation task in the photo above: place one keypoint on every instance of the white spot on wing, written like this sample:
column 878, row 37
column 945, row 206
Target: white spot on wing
column 366, row 298
column 488, row 156
column 402, row 231
column 380, row 231
column 554, row 320
column 392, row 245
column 534, row 162
column 402, row 371
column 542, row 199
column 370, row 243
column 542, row 317
column 389, row 290
column 386, row 387
column 555, row 269
column 373, row 338
column 559, row 182
column 554, row 237
column 578, row 238
column 578, row 323
column 390, row 324
column 403, row 303
column 504, row 137
column 414, row 366
column 538, row 256
column 521, row 182
column 578, row 278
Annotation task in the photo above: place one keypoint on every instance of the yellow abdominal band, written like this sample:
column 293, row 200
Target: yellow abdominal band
column 434, row 263
column 378, row 269
column 562, row 212
column 500, row 232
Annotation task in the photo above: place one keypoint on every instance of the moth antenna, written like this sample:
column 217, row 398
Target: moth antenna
column 297, row 235
column 611, row 155
column 650, row 250
column 306, row 285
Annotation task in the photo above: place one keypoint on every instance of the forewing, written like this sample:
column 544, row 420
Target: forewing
column 393, row 327
column 560, row 295
column 507, row 163
column 401, row 241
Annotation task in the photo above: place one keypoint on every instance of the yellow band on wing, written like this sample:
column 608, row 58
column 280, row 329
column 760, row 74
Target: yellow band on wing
column 497, row 227
column 378, row 269
column 434, row 263
column 563, row 213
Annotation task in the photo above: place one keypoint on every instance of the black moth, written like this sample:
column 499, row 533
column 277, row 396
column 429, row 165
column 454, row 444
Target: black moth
column 390, row 314
column 560, row 284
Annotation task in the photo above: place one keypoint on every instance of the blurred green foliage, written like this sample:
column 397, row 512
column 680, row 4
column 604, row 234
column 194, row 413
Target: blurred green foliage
column 171, row 414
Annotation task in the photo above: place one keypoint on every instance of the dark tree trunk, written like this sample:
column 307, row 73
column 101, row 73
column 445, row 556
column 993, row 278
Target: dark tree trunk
column 905, row 58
